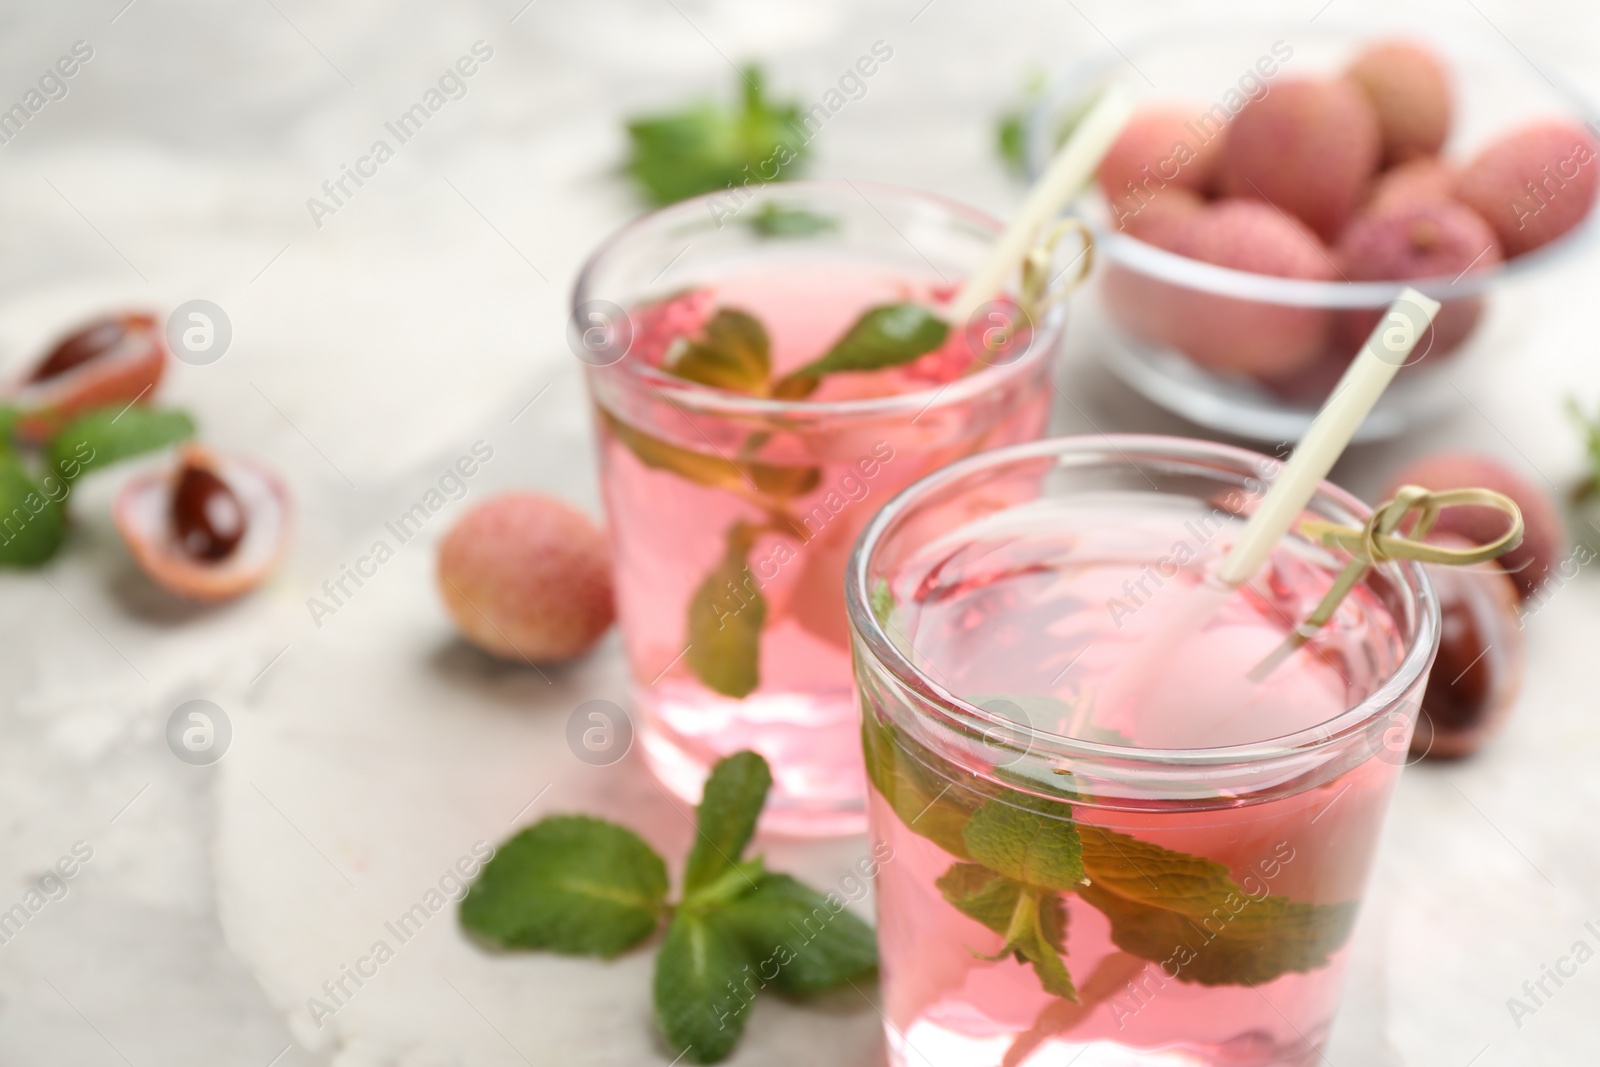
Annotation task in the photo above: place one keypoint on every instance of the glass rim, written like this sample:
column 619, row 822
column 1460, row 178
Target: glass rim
column 708, row 400
column 960, row 714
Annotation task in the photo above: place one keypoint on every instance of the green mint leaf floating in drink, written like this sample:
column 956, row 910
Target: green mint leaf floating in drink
column 734, row 353
column 708, row 148
column 884, row 336
column 570, row 884
column 584, row 886
column 730, row 803
column 882, row 600
column 99, row 438
column 1168, row 906
column 700, row 996
column 726, row 613
column 1027, row 839
column 981, row 894
column 800, row 940
column 778, row 220
column 33, row 522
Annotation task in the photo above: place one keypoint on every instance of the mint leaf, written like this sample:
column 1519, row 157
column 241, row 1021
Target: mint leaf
column 799, row 940
column 926, row 802
column 1027, row 839
column 726, row 614
column 1032, row 920
column 1169, row 906
column 884, row 336
column 730, row 804
column 1011, row 127
column 979, row 893
column 705, row 148
column 571, row 884
column 33, row 522
column 733, row 354
column 777, row 220
column 107, row 435
column 882, row 601
column 1038, row 936
column 702, row 990
column 698, row 467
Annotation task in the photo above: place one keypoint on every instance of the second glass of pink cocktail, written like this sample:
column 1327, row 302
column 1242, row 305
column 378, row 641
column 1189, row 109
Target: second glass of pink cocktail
column 1103, row 856
column 768, row 368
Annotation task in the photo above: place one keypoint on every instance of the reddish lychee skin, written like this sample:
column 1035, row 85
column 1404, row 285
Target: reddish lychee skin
column 1419, row 181
column 1544, row 539
column 1478, row 672
column 1262, row 340
column 527, row 577
column 1425, row 239
column 1533, row 185
column 1308, row 147
column 1410, row 93
column 1163, row 219
column 1177, row 153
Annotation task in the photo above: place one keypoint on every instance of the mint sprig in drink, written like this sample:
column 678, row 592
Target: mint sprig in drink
column 757, row 399
column 1171, row 879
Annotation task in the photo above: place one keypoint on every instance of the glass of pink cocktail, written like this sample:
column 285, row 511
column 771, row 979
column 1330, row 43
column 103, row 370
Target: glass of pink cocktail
column 1103, row 857
column 768, row 368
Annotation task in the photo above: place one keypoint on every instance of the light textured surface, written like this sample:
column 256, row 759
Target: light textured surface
column 371, row 752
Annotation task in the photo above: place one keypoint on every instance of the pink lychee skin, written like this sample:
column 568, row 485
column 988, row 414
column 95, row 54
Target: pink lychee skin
column 1307, row 147
column 1423, row 239
column 1558, row 158
column 1421, row 180
column 526, row 577
column 1544, row 540
column 1262, row 340
column 1179, row 157
column 1410, row 92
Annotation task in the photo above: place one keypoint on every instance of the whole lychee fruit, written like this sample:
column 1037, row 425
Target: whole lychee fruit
column 1545, row 536
column 527, row 577
column 1478, row 671
column 1410, row 91
column 1421, row 180
column 1533, row 185
column 1159, row 150
column 1307, row 147
column 1163, row 219
column 1260, row 339
column 1427, row 239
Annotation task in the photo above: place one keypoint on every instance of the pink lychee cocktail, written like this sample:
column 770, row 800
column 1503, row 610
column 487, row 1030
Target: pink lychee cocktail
column 1102, row 856
column 737, row 474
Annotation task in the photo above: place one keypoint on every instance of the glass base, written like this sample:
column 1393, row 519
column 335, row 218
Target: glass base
column 812, row 741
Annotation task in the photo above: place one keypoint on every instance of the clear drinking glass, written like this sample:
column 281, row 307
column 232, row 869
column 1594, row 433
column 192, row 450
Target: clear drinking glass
column 1106, row 851
column 731, row 516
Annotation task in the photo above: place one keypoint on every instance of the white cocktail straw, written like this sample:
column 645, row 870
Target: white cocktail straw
column 1381, row 358
column 1074, row 164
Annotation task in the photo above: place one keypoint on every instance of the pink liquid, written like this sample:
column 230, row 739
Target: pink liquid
column 669, row 532
column 1023, row 604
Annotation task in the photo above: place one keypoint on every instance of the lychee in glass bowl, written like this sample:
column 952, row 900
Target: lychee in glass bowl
column 1177, row 328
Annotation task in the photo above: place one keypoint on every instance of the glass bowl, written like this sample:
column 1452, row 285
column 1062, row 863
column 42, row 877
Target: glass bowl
column 1164, row 311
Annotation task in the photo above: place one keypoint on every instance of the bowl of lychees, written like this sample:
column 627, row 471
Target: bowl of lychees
column 1276, row 190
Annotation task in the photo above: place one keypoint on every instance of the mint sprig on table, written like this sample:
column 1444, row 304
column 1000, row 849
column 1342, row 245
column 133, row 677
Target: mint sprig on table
column 1017, row 855
column 586, row 887
column 35, row 483
column 732, row 351
column 705, row 147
